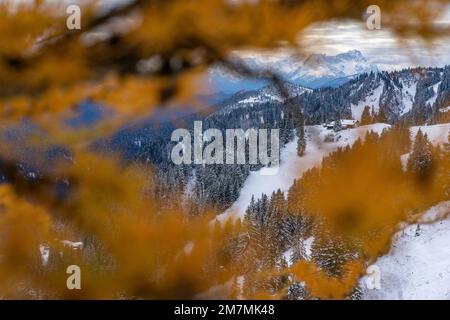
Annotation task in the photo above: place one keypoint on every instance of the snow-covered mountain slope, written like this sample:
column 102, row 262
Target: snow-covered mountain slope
column 258, row 97
column 418, row 265
column 372, row 99
column 315, row 71
column 320, row 70
column 416, row 95
column 396, row 94
column 437, row 134
column 413, row 93
column 292, row 167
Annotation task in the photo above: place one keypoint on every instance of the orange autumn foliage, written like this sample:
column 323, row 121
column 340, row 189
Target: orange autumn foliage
column 137, row 249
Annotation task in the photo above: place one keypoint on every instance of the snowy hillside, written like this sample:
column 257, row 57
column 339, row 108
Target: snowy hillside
column 292, row 167
column 418, row 265
column 437, row 134
column 413, row 94
column 266, row 94
column 372, row 100
column 397, row 94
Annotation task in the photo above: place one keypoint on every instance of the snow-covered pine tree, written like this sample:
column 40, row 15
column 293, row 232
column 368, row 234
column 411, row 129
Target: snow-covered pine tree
column 280, row 281
column 301, row 142
column 252, row 205
column 381, row 116
column 329, row 252
column 417, row 233
column 298, row 251
column 356, row 294
column 299, row 125
column 421, row 158
column 297, row 291
column 401, row 138
column 337, row 125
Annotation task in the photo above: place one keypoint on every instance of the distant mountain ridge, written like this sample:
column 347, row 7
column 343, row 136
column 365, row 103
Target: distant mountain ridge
column 265, row 95
column 315, row 71
column 320, row 70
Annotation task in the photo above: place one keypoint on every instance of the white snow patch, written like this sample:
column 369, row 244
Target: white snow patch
column 432, row 100
column 138, row 142
column 188, row 248
column 45, row 253
column 261, row 99
column 73, row 245
column 438, row 212
column 190, row 185
column 308, row 246
column 404, row 159
column 287, row 256
column 408, row 94
column 372, row 100
column 437, row 134
column 44, row 249
column 240, row 287
column 418, row 265
column 216, row 292
column 32, row 175
column 373, row 277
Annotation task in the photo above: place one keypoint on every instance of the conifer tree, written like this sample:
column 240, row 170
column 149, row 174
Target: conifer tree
column 298, row 252
column 356, row 294
column 421, row 159
column 329, row 252
column 366, row 117
column 337, row 125
column 301, row 142
column 299, row 123
column 297, row 291
column 381, row 116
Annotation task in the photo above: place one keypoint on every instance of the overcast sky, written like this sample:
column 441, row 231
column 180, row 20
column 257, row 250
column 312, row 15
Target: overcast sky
column 378, row 46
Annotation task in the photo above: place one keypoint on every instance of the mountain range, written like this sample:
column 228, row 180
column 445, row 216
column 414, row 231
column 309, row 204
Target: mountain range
column 314, row 71
column 417, row 95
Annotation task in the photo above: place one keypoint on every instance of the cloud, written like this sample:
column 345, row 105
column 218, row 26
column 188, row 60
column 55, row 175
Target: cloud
column 379, row 46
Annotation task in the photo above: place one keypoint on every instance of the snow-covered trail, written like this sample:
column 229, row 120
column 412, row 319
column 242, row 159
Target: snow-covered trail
column 292, row 167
